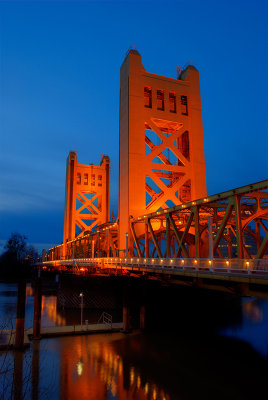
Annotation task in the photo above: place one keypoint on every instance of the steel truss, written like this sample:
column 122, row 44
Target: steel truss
column 238, row 217
column 100, row 243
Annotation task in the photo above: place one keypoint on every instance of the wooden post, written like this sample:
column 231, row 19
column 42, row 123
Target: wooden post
column 18, row 376
column 35, row 370
column 20, row 320
column 37, row 308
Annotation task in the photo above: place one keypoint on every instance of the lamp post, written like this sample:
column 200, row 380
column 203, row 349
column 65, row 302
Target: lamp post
column 126, row 244
column 82, row 305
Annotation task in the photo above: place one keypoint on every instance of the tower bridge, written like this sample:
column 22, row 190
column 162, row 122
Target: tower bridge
column 167, row 225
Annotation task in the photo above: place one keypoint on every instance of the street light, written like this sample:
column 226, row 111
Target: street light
column 82, row 304
column 126, row 244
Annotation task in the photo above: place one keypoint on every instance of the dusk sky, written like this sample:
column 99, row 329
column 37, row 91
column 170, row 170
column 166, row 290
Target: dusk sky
column 59, row 91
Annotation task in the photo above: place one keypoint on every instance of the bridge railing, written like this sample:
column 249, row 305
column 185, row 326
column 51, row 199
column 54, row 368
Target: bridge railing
column 213, row 265
column 230, row 266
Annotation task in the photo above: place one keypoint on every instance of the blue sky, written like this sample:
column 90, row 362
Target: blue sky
column 59, row 90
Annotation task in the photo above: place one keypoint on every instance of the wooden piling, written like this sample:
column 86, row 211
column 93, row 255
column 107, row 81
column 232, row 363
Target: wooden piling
column 37, row 308
column 20, row 320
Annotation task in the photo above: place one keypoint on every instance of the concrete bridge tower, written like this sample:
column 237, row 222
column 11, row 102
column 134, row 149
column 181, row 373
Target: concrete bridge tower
column 161, row 156
column 87, row 196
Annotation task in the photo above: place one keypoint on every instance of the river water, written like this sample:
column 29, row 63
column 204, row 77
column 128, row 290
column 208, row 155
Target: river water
column 164, row 364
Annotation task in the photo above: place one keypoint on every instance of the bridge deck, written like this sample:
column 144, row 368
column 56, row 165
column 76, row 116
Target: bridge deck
column 249, row 271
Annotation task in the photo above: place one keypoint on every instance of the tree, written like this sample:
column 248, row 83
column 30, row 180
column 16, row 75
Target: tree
column 16, row 246
column 32, row 254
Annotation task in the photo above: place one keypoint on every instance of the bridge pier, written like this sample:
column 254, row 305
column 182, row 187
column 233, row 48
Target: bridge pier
column 37, row 307
column 20, row 319
column 142, row 317
column 126, row 319
column 126, row 308
column 143, row 306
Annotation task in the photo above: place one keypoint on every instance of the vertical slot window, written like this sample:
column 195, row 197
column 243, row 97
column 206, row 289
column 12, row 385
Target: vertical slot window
column 92, row 179
column 85, row 179
column 184, row 145
column 184, row 105
column 99, row 180
column 78, row 178
column 160, row 100
column 147, row 97
column 172, row 102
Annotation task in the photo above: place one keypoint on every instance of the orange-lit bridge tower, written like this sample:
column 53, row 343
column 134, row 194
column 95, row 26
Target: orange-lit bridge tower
column 161, row 159
column 87, row 196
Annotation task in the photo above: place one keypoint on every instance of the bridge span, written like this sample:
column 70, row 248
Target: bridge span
column 167, row 226
column 223, row 231
column 217, row 274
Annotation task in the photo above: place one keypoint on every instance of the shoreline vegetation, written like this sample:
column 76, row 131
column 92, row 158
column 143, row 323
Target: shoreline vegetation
column 18, row 258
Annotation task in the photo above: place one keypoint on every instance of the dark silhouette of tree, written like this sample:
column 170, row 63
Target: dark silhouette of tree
column 18, row 251
column 32, row 254
column 18, row 258
column 16, row 247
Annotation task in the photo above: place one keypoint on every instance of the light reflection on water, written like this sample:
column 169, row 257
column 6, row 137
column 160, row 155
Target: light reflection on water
column 119, row 367
column 91, row 368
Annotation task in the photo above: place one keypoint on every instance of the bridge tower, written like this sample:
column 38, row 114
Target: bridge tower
column 87, row 196
column 161, row 155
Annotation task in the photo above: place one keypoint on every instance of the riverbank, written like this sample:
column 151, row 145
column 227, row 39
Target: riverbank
column 7, row 337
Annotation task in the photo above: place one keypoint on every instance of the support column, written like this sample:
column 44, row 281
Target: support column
column 229, row 242
column 210, row 238
column 72, row 250
column 258, row 235
column 168, row 236
column 93, row 250
column 238, row 226
column 146, row 238
column 197, row 233
column 37, row 308
column 20, row 320
column 98, row 245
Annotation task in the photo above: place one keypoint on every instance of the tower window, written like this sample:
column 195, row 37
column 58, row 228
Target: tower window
column 160, row 100
column 184, row 105
column 172, row 102
column 148, row 97
column 85, row 179
column 93, row 179
column 78, row 178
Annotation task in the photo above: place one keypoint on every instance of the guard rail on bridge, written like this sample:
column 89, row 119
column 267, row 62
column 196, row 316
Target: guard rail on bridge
column 210, row 268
